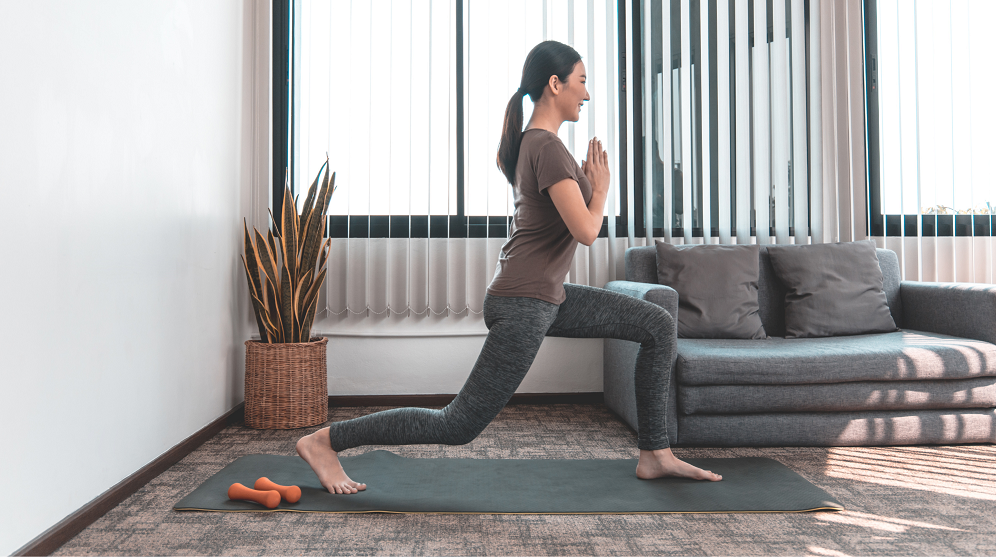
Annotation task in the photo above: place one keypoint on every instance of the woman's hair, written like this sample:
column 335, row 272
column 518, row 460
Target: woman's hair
column 545, row 59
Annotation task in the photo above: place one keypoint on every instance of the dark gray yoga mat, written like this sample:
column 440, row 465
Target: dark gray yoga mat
column 469, row 485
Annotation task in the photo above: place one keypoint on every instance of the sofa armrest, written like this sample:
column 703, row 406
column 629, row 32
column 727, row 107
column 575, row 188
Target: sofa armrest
column 958, row 309
column 664, row 296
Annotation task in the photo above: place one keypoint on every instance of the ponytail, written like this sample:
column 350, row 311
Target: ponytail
column 511, row 136
column 545, row 59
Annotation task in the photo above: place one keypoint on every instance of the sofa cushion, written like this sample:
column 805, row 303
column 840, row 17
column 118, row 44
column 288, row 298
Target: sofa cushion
column 717, row 289
column 839, row 429
column 978, row 392
column 770, row 296
column 899, row 356
column 832, row 289
column 641, row 266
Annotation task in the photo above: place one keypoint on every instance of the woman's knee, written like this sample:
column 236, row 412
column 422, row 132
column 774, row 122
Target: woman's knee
column 455, row 432
column 659, row 320
column 658, row 326
column 459, row 428
column 462, row 436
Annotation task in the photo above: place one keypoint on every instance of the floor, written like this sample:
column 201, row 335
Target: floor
column 899, row 501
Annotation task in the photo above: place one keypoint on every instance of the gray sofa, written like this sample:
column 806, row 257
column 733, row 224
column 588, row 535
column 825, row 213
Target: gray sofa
column 931, row 382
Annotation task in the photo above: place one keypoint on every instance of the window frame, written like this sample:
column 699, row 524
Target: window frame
column 880, row 225
column 414, row 226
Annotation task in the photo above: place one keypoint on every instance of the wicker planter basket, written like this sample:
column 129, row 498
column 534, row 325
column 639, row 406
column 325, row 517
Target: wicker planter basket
column 286, row 384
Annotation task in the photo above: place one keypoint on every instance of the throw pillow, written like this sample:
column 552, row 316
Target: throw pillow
column 717, row 289
column 832, row 289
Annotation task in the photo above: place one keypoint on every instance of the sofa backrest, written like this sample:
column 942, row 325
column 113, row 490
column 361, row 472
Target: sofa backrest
column 641, row 266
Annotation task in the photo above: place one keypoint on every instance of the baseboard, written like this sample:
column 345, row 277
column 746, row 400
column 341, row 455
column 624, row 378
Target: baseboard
column 443, row 400
column 52, row 539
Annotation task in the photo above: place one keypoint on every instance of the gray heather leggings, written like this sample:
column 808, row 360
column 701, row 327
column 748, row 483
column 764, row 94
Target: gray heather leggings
column 516, row 327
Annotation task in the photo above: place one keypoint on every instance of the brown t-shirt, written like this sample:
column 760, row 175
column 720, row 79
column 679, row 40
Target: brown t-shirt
column 535, row 259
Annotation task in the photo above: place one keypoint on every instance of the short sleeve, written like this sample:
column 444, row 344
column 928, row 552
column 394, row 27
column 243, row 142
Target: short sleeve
column 553, row 164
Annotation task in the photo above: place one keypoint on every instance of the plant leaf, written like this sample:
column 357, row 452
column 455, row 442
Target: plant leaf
column 311, row 306
column 288, row 228
column 268, row 334
column 315, row 288
column 309, row 317
column 323, row 256
column 270, row 241
column 273, row 222
column 256, row 309
column 286, row 302
column 316, row 224
column 301, row 291
column 267, row 261
column 309, row 201
column 271, row 327
column 249, row 259
column 274, row 310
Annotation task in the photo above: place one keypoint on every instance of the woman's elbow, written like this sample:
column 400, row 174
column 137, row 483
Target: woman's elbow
column 588, row 239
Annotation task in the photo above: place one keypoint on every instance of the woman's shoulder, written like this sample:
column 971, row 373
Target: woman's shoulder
column 537, row 140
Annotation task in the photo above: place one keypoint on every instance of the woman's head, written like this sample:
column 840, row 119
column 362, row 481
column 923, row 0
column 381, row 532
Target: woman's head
column 551, row 69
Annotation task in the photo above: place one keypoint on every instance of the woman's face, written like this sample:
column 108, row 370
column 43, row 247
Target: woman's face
column 573, row 94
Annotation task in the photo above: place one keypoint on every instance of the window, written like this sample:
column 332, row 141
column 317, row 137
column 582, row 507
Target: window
column 930, row 117
column 408, row 97
column 724, row 128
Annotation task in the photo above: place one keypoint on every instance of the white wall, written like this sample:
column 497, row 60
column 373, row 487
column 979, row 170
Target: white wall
column 434, row 355
column 125, row 141
column 422, row 365
column 120, row 155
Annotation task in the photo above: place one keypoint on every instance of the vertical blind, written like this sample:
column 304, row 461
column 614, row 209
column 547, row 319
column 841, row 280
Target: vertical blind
column 751, row 113
column 933, row 195
column 378, row 86
column 731, row 120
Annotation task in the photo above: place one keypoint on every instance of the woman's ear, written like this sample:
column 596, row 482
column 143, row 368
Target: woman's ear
column 555, row 84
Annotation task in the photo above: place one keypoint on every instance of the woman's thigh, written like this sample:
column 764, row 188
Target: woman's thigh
column 590, row 312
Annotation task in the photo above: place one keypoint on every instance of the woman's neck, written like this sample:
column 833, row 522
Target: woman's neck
column 545, row 120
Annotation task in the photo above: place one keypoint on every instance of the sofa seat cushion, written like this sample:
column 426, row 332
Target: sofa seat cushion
column 839, row 429
column 898, row 356
column 978, row 392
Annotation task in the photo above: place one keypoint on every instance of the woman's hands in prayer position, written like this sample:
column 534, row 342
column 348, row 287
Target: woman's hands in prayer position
column 584, row 220
column 596, row 166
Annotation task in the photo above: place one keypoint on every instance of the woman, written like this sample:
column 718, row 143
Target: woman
column 557, row 204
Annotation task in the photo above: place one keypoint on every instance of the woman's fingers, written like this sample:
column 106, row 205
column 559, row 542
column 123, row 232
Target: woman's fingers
column 597, row 159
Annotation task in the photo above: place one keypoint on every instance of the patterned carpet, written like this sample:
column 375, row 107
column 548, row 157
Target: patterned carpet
column 899, row 500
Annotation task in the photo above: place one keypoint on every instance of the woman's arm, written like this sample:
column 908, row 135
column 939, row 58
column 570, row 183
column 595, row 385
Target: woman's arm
column 584, row 221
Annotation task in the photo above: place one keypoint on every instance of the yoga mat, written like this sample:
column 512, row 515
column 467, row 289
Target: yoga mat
column 398, row 484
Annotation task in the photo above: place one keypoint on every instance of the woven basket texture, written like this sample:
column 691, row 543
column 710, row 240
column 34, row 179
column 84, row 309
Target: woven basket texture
column 286, row 384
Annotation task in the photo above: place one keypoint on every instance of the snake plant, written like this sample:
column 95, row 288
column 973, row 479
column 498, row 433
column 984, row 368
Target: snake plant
column 287, row 268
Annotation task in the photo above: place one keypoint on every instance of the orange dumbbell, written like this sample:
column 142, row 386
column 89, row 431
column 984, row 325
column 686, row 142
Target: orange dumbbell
column 269, row 498
column 290, row 493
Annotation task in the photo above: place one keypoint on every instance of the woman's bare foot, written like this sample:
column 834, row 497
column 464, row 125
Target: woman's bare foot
column 316, row 451
column 663, row 463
